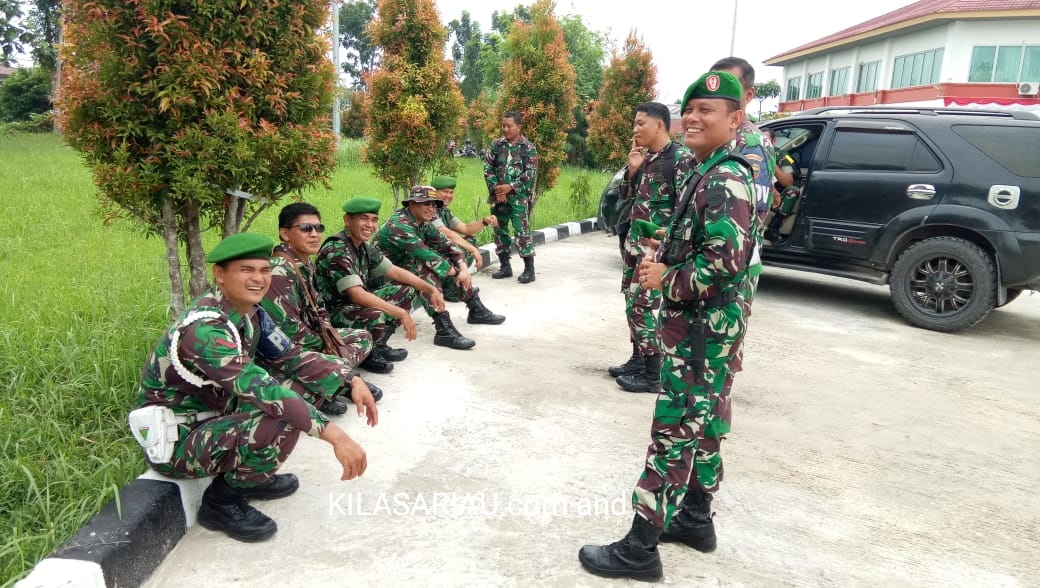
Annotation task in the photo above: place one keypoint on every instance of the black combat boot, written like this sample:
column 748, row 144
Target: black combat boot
column 390, row 353
column 447, row 335
column 377, row 363
column 772, row 233
column 225, row 509
column 479, row 314
column 334, row 407
column 693, row 523
column 635, row 556
column 277, row 486
column 377, row 392
column 635, row 364
column 528, row 274
column 648, row 380
column 504, row 269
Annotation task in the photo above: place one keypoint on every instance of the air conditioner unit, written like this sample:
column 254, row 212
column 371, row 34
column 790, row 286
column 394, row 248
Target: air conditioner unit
column 1028, row 88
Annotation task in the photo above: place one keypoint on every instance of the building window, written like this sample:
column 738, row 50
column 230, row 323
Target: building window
column 917, row 69
column 1005, row 63
column 814, row 86
column 839, row 81
column 866, row 76
column 794, row 87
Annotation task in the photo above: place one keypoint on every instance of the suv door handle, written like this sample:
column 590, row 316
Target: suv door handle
column 920, row 191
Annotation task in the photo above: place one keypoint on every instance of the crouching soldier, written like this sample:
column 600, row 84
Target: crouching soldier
column 410, row 240
column 462, row 235
column 209, row 406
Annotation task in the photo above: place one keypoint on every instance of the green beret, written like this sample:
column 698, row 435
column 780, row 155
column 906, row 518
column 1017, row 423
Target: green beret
column 714, row 84
column 241, row 246
column 442, row 182
column 362, row 205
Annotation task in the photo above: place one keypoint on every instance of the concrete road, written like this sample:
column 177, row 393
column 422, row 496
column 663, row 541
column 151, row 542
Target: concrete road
column 864, row 451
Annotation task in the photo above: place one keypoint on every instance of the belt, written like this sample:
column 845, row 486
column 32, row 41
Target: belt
column 714, row 302
column 195, row 417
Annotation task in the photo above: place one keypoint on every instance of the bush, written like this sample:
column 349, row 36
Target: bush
column 37, row 123
column 25, row 93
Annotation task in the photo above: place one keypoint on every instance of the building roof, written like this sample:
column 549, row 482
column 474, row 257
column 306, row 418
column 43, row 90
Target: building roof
column 912, row 15
column 6, row 71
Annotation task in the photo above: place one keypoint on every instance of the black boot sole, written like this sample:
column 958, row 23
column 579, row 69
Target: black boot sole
column 377, row 368
column 651, row 575
column 501, row 276
column 637, row 388
column 452, row 345
column 204, row 519
column 618, row 371
column 479, row 321
column 700, row 545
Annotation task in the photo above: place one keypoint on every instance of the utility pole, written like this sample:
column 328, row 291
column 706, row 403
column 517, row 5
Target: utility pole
column 336, row 127
column 733, row 35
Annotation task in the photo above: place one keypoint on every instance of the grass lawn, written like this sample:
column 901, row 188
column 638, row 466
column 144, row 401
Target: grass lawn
column 81, row 304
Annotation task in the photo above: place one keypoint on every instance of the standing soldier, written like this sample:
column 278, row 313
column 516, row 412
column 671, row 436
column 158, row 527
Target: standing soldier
column 656, row 165
column 510, row 170
column 347, row 263
column 293, row 301
column 461, row 234
column 702, row 269
column 409, row 239
column 210, row 408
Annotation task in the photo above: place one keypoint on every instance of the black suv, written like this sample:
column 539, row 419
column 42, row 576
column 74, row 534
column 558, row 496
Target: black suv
column 943, row 205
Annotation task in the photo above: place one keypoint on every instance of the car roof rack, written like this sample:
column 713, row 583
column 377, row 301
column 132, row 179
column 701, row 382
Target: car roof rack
column 924, row 110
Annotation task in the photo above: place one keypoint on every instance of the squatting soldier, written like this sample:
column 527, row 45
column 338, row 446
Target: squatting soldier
column 210, row 408
column 702, row 268
column 293, row 301
column 348, row 262
column 511, row 170
column 461, row 234
column 656, row 165
column 409, row 239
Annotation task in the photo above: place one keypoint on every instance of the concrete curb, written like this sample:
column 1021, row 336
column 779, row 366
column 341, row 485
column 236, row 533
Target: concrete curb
column 124, row 543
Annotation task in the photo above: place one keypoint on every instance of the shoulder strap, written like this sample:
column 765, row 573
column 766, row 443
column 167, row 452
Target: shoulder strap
column 306, row 291
column 669, row 170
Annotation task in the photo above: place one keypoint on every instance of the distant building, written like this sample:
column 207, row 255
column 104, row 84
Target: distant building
column 5, row 72
column 930, row 53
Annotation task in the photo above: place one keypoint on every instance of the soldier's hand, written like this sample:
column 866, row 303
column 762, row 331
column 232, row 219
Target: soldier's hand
column 478, row 259
column 463, row 279
column 650, row 274
column 349, row 454
column 636, row 157
column 409, row 326
column 362, row 397
column 492, row 221
column 437, row 300
column 503, row 190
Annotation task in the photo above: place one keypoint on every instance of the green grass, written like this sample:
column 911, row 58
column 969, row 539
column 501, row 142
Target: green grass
column 81, row 305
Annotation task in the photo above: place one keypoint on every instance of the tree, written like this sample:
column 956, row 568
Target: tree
column 26, row 92
column 629, row 81
column 465, row 50
column 355, row 117
column 415, row 106
column 182, row 110
column 45, row 20
column 764, row 91
column 14, row 35
column 361, row 53
column 585, row 54
column 538, row 82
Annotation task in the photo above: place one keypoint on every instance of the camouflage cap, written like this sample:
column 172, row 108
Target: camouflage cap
column 421, row 194
column 242, row 246
column 362, row 205
column 443, row 182
column 715, row 84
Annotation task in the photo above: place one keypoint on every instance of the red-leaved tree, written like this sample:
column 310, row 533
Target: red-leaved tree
column 628, row 81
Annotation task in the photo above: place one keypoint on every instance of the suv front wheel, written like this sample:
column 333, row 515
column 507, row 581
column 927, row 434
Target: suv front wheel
column 943, row 284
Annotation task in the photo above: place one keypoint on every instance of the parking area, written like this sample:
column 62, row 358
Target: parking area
column 864, row 451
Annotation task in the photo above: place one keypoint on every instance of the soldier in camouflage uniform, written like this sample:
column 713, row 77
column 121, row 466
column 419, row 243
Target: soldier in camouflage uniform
column 511, row 171
column 462, row 235
column 293, row 302
column 410, row 240
column 209, row 373
column 656, row 165
column 347, row 264
column 702, row 268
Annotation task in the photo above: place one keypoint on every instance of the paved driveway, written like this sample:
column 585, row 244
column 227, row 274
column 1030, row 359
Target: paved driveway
column 864, row 451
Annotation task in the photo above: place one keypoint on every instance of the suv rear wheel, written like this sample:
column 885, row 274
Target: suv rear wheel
column 943, row 284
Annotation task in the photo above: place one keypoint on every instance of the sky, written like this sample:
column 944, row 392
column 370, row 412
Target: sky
column 686, row 37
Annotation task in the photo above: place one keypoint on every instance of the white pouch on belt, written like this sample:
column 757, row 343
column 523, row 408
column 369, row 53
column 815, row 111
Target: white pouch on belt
column 155, row 429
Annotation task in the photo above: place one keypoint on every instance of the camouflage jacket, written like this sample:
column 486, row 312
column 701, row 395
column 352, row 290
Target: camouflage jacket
column 653, row 188
column 411, row 244
column 514, row 164
column 287, row 299
column 340, row 265
column 215, row 369
column 446, row 218
column 707, row 249
column 758, row 150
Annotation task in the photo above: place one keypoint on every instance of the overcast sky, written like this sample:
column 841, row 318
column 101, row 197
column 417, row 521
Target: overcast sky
column 687, row 36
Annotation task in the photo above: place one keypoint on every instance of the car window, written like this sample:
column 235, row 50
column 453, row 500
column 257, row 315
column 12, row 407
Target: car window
column 868, row 150
column 1017, row 149
column 924, row 160
column 798, row 142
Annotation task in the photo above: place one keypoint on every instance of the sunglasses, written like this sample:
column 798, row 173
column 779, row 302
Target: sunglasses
column 310, row 228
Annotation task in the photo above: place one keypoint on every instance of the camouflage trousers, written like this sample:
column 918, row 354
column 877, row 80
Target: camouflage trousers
column 469, row 256
column 449, row 287
column 641, row 304
column 359, row 342
column 248, row 447
column 788, row 198
column 373, row 320
column 520, row 219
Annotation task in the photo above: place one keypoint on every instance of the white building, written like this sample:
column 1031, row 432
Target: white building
column 929, row 53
